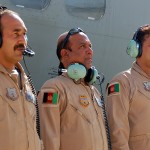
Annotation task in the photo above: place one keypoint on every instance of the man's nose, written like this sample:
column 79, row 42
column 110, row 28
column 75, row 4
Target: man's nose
column 22, row 39
column 90, row 50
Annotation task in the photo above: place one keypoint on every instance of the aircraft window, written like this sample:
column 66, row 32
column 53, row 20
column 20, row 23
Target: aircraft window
column 88, row 9
column 34, row 4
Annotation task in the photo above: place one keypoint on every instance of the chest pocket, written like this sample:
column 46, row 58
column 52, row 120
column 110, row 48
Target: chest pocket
column 11, row 98
column 8, row 107
column 140, row 99
column 30, row 100
column 30, row 103
column 139, row 110
column 80, row 113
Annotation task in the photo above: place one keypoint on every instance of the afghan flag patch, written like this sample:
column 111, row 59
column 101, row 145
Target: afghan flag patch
column 114, row 88
column 50, row 98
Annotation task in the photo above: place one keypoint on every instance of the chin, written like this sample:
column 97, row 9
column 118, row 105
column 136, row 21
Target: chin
column 20, row 57
column 88, row 66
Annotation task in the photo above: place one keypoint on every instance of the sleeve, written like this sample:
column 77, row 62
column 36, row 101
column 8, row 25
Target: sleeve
column 49, row 112
column 117, row 106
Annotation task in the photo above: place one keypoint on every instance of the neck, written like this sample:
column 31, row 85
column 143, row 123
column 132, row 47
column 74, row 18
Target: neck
column 8, row 66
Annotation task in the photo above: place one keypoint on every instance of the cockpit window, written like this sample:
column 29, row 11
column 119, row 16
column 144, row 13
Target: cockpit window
column 88, row 9
column 33, row 4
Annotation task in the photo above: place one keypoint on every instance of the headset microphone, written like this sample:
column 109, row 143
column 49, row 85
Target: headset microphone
column 28, row 52
column 101, row 78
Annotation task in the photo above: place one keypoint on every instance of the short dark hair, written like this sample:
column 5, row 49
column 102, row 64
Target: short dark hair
column 142, row 32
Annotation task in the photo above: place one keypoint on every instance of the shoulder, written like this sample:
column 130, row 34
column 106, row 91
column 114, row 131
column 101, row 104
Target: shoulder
column 120, row 80
column 123, row 76
column 58, row 83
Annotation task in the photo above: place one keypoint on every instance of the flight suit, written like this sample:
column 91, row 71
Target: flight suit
column 71, row 116
column 17, row 113
column 128, row 108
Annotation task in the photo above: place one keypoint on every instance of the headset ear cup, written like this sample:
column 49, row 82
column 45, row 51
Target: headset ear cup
column 89, row 75
column 76, row 71
column 133, row 49
column 140, row 51
column 1, row 40
column 92, row 75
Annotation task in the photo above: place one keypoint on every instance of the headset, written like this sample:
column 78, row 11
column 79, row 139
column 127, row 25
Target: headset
column 1, row 39
column 78, row 71
column 2, row 8
column 134, row 48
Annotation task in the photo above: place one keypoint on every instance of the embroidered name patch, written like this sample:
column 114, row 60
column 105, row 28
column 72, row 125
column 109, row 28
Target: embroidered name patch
column 50, row 98
column 114, row 88
column 84, row 101
column 30, row 97
column 146, row 85
column 12, row 94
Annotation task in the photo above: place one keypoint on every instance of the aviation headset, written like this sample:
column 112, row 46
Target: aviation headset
column 78, row 71
column 134, row 48
column 1, row 39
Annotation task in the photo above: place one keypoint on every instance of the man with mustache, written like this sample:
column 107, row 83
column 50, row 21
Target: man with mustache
column 70, row 106
column 17, row 102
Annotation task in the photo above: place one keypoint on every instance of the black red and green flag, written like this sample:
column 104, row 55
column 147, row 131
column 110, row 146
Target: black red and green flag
column 50, row 98
column 114, row 88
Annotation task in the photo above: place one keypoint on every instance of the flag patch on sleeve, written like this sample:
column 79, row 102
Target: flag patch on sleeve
column 114, row 88
column 50, row 98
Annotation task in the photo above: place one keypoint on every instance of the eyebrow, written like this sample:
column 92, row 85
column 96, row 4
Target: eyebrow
column 18, row 30
column 84, row 42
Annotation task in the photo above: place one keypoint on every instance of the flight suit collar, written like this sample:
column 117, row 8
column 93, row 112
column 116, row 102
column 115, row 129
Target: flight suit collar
column 3, row 69
column 23, row 75
column 138, row 69
column 20, row 68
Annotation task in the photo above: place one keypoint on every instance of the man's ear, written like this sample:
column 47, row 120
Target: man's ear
column 64, row 53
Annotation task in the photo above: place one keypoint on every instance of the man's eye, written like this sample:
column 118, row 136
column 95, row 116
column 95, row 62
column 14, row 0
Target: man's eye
column 82, row 46
column 16, row 34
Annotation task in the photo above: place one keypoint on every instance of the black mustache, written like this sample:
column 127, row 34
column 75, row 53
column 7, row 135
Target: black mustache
column 21, row 46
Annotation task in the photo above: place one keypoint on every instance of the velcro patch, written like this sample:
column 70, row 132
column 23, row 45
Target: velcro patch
column 114, row 88
column 50, row 98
